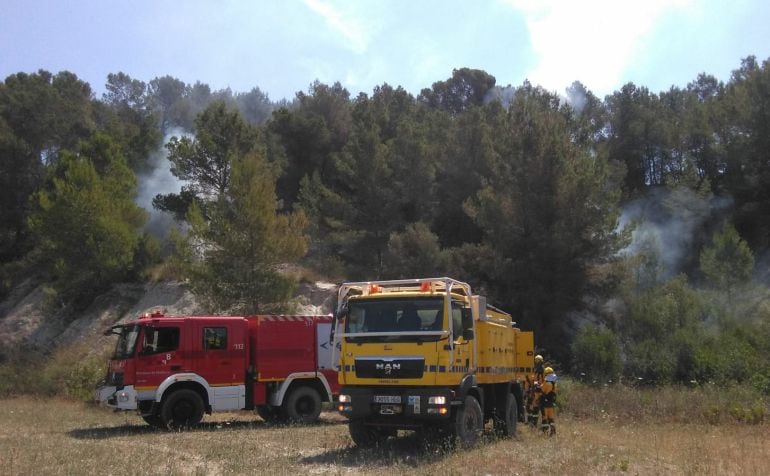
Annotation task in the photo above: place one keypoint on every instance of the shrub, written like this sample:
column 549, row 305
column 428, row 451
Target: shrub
column 714, row 404
column 71, row 372
column 596, row 355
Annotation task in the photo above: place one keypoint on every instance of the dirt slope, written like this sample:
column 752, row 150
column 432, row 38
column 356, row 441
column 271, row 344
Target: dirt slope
column 25, row 318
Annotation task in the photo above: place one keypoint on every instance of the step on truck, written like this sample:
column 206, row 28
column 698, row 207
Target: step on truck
column 427, row 355
column 172, row 370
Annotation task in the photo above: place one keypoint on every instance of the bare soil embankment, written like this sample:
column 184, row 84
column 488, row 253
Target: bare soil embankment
column 26, row 319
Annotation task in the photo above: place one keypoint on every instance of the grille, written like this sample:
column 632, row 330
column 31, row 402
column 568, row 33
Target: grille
column 390, row 368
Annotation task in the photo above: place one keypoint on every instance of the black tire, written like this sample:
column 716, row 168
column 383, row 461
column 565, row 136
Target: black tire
column 153, row 420
column 302, row 405
column 365, row 436
column 269, row 413
column 182, row 409
column 506, row 426
column 469, row 422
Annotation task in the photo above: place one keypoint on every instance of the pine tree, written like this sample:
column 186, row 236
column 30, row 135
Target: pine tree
column 727, row 261
column 87, row 223
column 233, row 255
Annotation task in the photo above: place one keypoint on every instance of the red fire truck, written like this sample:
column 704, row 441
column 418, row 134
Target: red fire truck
column 172, row 370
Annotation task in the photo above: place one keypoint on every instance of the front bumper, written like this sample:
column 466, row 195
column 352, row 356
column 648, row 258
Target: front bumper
column 103, row 393
column 402, row 407
column 123, row 399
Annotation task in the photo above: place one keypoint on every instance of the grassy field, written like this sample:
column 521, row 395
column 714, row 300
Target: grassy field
column 65, row 437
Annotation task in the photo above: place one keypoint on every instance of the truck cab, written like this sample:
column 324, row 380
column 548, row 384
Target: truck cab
column 159, row 355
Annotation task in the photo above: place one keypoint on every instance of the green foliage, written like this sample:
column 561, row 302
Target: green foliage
column 70, row 371
column 660, row 311
column 125, row 114
column 309, row 136
column 221, row 137
column 376, row 185
column 232, row 256
column 205, row 161
column 167, row 96
column 662, row 328
column 87, row 224
column 415, row 252
column 596, row 355
column 548, row 211
column 40, row 113
column 674, row 333
column 727, row 261
column 465, row 89
column 747, row 141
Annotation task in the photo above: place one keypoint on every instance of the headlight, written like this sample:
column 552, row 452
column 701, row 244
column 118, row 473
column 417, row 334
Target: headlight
column 123, row 397
column 437, row 400
column 344, row 399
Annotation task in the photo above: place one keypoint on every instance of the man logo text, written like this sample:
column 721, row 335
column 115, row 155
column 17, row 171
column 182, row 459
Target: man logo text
column 388, row 368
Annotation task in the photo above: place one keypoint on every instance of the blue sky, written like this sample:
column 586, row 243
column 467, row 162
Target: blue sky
column 283, row 46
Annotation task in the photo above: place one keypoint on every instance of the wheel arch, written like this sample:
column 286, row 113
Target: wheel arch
column 316, row 381
column 478, row 394
column 187, row 381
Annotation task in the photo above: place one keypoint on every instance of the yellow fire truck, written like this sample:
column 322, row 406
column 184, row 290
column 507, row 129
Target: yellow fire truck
column 427, row 354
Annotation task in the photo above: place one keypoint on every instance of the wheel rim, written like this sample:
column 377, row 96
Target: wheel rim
column 305, row 406
column 183, row 410
column 471, row 424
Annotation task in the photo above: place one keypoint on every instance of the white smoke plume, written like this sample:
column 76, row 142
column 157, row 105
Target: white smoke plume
column 159, row 180
column 503, row 94
column 667, row 221
column 576, row 98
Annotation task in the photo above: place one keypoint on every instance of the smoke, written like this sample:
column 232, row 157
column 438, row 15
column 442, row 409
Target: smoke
column 576, row 97
column 504, row 95
column 159, row 180
column 762, row 267
column 671, row 224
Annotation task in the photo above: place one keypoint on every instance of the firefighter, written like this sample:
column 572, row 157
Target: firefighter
column 539, row 369
column 548, row 402
column 533, row 402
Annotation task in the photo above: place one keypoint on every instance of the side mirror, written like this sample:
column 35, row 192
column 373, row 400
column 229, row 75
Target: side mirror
column 342, row 313
column 467, row 334
column 467, row 317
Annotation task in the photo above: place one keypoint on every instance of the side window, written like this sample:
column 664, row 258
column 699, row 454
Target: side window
column 160, row 339
column 214, row 338
column 356, row 320
column 457, row 321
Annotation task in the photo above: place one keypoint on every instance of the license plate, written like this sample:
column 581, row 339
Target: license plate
column 387, row 399
column 390, row 409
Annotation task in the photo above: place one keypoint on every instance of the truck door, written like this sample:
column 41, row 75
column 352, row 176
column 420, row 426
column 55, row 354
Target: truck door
column 463, row 349
column 220, row 347
column 159, row 354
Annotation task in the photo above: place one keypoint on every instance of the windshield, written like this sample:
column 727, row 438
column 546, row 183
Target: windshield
column 126, row 341
column 395, row 315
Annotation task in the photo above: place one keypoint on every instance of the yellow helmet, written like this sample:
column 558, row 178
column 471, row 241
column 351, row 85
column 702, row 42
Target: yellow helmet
column 548, row 370
column 538, row 358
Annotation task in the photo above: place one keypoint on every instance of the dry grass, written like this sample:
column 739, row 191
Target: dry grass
column 703, row 404
column 63, row 437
